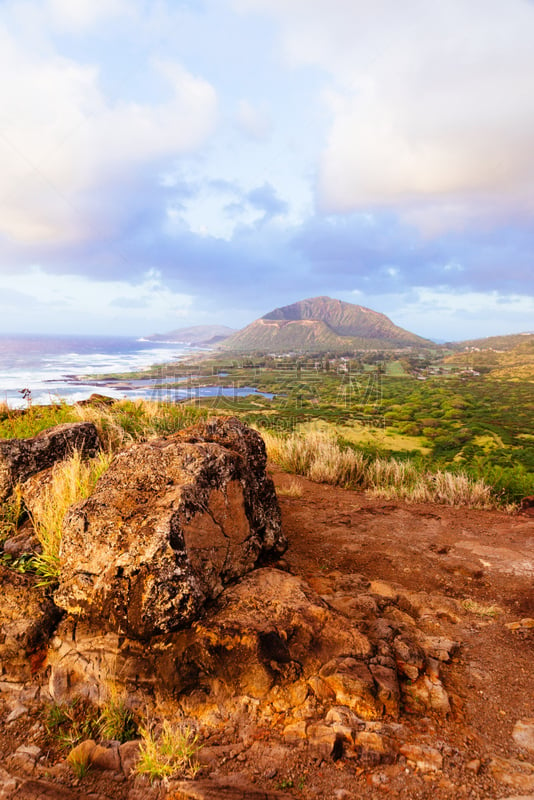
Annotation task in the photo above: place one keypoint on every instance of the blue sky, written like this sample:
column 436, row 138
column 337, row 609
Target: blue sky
column 176, row 162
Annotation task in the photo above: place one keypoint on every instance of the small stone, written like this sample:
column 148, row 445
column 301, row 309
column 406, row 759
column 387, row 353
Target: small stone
column 129, row 756
column 271, row 773
column 106, row 758
column 474, row 765
column 517, row 774
column 295, row 731
column 18, row 712
column 30, row 750
column 523, row 734
column 341, row 794
column 321, row 739
column 81, row 754
column 426, row 759
column 8, row 784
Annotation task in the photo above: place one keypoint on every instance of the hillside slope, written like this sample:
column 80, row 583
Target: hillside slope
column 321, row 323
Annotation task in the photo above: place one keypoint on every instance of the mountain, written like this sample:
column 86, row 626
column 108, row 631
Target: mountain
column 322, row 324
column 199, row 335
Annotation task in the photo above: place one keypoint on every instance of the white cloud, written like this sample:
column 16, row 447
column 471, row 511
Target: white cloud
column 77, row 15
column 62, row 137
column 254, row 121
column 431, row 104
column 74, row 297
column 453, row 316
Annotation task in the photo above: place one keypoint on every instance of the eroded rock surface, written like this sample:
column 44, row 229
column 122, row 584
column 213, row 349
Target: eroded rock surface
column 170, row 524
column 21, row 458
column 27, row 619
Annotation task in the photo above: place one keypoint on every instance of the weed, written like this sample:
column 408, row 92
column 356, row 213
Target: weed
column 474, row 607
column 24, row 563
column 11, row 513
column 171, row 753
column 56, row 715
column 116, row 721
column 72, row 480
column 79, row 763
column 286, row 783
column 71, row 723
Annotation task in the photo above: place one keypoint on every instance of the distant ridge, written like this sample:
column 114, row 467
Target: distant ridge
column 321, row 324
column 504, row 342
column 200, row 335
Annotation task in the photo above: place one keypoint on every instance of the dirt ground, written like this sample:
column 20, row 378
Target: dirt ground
column 485, row 560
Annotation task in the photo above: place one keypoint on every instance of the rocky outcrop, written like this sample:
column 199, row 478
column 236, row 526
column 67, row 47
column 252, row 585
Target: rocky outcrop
column 170, row 524
column 22, row 458
column 28, row 617
column 271, row 644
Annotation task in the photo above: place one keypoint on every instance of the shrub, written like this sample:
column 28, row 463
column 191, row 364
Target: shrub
column 171, row 753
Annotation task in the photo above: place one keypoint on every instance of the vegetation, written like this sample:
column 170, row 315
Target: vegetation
column 11, row 514
column 70, row 481
column 71, row 723
column 318, row 455
column 116, row 721
column 170, row 753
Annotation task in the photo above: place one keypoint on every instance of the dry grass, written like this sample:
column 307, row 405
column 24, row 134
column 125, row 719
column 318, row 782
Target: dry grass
column 71, row 481
column 128, row 421
column 317, row 455
column 291, row 489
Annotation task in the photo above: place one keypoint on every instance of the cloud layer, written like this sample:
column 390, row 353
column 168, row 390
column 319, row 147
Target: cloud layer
column 249, row 153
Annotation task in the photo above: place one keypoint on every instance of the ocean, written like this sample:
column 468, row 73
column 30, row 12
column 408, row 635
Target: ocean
column 52, row 369
column 50, row 366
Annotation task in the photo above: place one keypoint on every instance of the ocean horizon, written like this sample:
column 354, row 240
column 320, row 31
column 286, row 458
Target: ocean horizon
column 50, row 367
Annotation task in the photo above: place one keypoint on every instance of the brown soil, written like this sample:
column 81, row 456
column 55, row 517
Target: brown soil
column 485, row 557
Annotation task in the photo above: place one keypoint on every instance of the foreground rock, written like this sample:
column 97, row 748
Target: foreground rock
column 170, row 524
column 22, row 458
column 28, row 617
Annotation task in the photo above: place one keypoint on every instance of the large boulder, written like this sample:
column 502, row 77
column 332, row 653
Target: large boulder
column 170, row 524
column 22, row 458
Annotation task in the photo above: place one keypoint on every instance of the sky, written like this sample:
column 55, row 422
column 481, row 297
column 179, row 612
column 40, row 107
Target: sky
column 165, row 163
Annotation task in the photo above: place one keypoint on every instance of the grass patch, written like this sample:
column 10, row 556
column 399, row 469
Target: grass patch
column 128, row 421
column 319, row 456
column 474, row 607
column 291, row 489
column 171, row 753
column 71, row 723
column 116, row 720
column 79, row 764
column 71, row 481
column 11, row 513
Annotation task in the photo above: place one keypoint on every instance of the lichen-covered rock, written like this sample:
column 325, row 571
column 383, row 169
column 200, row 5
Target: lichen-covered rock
column 27, row 618
column 21, row 458
column 170, row 524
